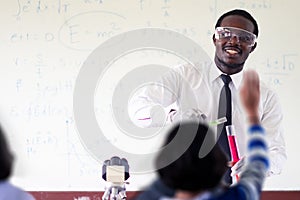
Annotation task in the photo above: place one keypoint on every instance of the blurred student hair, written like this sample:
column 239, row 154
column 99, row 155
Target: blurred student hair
column 6, row 157
column 190, row 172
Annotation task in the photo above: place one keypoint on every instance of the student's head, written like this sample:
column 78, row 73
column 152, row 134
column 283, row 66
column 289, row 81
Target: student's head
column 234, row 39
column 191, row 172
column 6, row 157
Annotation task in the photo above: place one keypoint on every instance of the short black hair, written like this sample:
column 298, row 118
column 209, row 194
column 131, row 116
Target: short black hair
column 191, row 172
column 242, row 13
column 6, row 157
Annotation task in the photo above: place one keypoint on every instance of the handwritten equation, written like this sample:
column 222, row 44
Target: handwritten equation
column 279, row 69
column 41, row 6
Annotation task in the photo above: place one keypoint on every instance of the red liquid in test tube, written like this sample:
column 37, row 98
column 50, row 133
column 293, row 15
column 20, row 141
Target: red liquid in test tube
column 232, row 145
column 233, row 148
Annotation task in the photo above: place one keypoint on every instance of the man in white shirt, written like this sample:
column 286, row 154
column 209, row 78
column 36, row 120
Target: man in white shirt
column 191, row 177
column 195, row 89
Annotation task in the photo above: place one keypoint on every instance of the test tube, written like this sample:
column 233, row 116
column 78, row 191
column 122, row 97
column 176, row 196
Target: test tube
column 230, row 130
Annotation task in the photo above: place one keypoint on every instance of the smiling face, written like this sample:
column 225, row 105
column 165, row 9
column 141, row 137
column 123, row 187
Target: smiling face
column 231, row 54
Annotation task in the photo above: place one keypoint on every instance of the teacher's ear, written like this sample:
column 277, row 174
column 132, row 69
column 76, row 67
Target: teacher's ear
column 253, row 47
column 214, row 39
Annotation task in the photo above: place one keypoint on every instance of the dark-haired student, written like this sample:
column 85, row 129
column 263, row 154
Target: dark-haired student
column 7, row 190
column 195, row 177
column 197, row 88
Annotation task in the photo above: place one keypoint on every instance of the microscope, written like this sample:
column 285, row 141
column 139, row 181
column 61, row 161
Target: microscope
column 115, row 172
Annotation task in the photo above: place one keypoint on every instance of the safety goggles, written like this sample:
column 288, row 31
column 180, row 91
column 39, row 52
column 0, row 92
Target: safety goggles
column 242, row 36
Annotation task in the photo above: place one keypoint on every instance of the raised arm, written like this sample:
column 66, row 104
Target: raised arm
column 250, row 96
column 257, row 161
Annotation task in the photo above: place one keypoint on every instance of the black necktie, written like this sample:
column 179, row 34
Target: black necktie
column 225, row 111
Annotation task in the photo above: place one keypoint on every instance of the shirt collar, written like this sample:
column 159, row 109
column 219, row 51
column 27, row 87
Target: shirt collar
column 236, row 78
column 214, row 72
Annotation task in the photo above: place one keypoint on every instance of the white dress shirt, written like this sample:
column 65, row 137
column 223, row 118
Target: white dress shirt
column 196, row 89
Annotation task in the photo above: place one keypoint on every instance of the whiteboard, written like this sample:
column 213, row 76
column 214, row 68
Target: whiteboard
column 45, row 44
